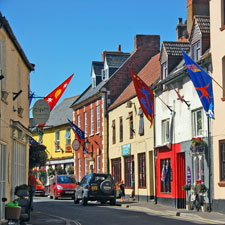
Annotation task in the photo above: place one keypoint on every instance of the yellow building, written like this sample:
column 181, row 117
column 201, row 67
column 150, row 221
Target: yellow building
column 131, row 140
column 14, row 113
column 57, row 136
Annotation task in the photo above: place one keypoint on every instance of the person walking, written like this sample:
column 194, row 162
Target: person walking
column 122, row 190
column 32, row 187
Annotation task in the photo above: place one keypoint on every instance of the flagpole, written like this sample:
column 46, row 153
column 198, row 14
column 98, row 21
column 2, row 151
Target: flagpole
column 164, row 102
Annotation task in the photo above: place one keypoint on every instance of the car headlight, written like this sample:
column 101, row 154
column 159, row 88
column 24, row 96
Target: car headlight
column 59, row 187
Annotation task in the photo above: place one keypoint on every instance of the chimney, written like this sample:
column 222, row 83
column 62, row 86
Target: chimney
column 196, row 7
column 147, row 42
column 181, row 30
column 103, row 56
column 119, row 48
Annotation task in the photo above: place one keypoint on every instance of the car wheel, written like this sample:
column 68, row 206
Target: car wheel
column 106, row 186
column 84, row 200
column 76, row 200
column 55, row 198
column 113, row 201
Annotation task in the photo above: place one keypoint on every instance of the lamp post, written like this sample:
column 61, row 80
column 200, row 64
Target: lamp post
column 155, row 157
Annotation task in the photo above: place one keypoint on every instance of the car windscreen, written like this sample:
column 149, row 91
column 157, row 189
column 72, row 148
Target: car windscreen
column 101, row 177
column 66, row 180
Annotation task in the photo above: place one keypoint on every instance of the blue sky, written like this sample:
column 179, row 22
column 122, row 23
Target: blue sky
column 64, row 37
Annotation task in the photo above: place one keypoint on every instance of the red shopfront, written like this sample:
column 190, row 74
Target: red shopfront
column 170, row 176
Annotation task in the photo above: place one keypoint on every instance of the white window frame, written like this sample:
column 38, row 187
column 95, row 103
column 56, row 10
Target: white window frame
column 98, row 163
column 166, row 131
column 195, row 114
column 79, row 170
column 78, row 120
column 68, row 138
column 57, row 140
column 92, row 121
column 98, row 118
column 85, row 123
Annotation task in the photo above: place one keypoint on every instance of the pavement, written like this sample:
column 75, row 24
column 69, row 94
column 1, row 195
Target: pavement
column 40, row 218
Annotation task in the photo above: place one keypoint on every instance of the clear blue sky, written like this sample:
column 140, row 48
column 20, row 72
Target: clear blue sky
column 62, row 37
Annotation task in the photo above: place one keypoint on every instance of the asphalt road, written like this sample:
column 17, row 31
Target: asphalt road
column 97, row 214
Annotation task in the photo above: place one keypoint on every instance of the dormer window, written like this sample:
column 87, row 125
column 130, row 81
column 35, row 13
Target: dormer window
column 164, row 70
column 196, row 50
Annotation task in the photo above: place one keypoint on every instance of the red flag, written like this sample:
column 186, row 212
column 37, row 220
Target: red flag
column 55, row 95
column 145, row 96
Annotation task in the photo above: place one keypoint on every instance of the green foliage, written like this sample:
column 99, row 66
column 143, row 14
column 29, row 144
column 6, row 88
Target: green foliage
column 187, row 187
column 59, row 170
column 51, row 171
column 70, row 170
column 37, row 156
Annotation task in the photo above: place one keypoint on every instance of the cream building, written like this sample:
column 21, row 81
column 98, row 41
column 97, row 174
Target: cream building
column 131, row 140
column 217, row 21
column 14, row 113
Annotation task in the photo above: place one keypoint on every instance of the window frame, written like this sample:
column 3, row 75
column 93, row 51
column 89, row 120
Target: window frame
column 196, row 51
column 92, row 121
column 98, row 164
column 78, row 120
column 142, row 170
column 116, row 169
column 165, row 130
column 195, row 132
column 131, row 124
column 222, row 163
column 85, row 124
column 57, row 141
column 114, row 131
column 164, row 68
column 128, row 170
column 68, row 139
column 121, row 128
column 164, row 188
column 98, row 117
column 141, row 123
column 79, row 169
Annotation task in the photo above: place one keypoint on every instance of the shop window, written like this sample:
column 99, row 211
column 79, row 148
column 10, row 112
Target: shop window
column 141, row 122
column 121, row 129
column 141, row 170
column 129, row 170
column 198, row 168
column 116, row 169
column 98, row 118
column 222, row 161
column 57, row 141
column 166, row 175
column 165, row 131
column 197, row 123
column 196, row 51
column 68, row 136
column 92, row 122
column 113, row 132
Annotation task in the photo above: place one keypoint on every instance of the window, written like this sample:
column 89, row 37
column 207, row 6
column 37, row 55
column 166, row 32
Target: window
column 198, row 168
column 85, row 123
column 166, row 175
column 165, row 131
column 68, row 136
column 197, row 122
column 86, row 166
column 164, row 70
column 79, row 169
column 98, row 118
column 98, row 163
column 78, row 120
column 129, row 170
column 131, row 125
column 116, row 169
column 196, row 51
column 113, row 132
column 92, row 122
column 2, row 68
column 141, row 122
column 121, row 129
column 57, row 141
column 141, row 170
column 222, row 160
column 222, row 14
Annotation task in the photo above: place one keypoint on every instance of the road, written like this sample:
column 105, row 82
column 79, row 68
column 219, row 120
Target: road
column 97, row 214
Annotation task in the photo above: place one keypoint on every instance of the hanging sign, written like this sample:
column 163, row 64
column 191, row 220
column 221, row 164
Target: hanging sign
column 41, row 111
column 188, row 175
column 125, row 149
column 75, row 145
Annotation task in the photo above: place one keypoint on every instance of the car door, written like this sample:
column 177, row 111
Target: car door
column 80, row 186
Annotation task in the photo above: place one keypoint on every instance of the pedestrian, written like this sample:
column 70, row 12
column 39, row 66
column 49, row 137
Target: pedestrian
column 122, row 190
column 32, row 187
column 132, row 195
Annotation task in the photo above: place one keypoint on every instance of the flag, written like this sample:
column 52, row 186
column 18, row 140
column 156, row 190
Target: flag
column 203, row 84
column 79, row 134
column 181, row 98
column 145, row 96
column 31, row 97
column 55, row 95
column 32, row 141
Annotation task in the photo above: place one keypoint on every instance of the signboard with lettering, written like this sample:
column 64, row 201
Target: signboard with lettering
column 188, row 175
column 125, row 149
column 41, row 111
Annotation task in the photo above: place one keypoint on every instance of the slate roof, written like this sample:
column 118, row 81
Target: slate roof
column 149, row 74
column 116, row 60
column 203, row 23
column 60, row 113
column 173, row 47
column 97, row 67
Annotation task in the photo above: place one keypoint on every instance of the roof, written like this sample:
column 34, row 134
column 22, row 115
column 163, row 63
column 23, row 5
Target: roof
column 149, row 74
column 97, row 67
column 173, row 48
column 4, row 23
column 116, row 60
column 203, row 23
column 60, row 113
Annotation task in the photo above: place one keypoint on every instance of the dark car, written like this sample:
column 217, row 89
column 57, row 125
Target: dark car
column 62, row 186
column 96, row 187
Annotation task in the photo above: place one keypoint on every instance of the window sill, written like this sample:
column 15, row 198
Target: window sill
column 222, row 28
column 221, row 183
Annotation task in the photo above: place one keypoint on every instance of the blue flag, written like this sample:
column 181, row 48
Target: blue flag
column 31, row 97
column 79, row 134
column 32, row 141
column 203, row 84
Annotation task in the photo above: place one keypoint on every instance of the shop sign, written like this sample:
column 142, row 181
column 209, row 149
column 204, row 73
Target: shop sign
column 125, row 149
column 41, row 111
column 68, row 149
column 188, row 175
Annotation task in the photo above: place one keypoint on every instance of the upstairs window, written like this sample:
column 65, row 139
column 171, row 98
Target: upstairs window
column 92, row 122
column 141, row 122
column 197, row 125
column 222, row 15
column 85, row 123
column 78, row 120
column 165, row 131
column 68, row 136
column 57, row 141
column 121, row 129
column 131, row 125
column 196, row 50
column 113, row 132
column 98, row 118
column 164, row 70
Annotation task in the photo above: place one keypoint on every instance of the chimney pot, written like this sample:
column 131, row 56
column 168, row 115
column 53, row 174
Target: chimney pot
column 179, row 20
column 119, row 48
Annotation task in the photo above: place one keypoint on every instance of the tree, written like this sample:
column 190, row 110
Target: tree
column 37, row 155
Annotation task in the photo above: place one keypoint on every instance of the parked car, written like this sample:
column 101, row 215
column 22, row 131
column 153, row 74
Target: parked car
column 96, row 187
column 62, row 186
column 40, row 188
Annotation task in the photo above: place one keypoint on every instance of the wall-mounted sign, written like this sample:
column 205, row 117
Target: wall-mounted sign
column 188, row 175
column 75, row 145
column 41, row 111
column 125, row 149
column 68, row 149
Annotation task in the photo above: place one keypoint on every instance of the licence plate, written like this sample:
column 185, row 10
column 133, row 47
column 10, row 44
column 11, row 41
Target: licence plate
column 69, row 192
column 94, row 188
